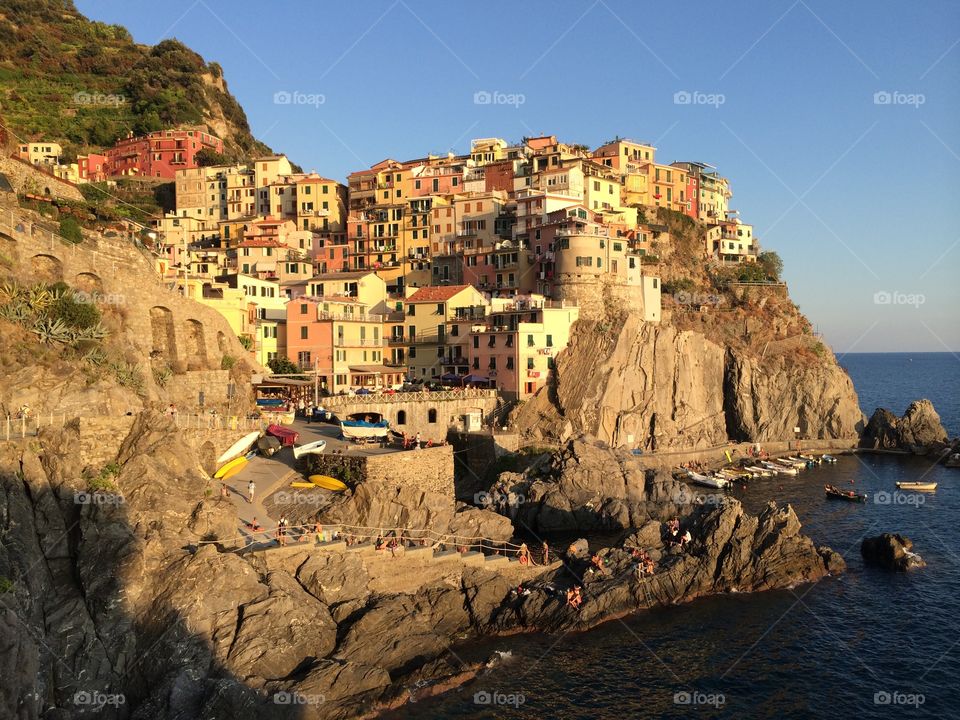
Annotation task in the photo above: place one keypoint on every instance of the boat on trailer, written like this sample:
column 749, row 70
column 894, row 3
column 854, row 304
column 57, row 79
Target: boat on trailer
column 363, row 430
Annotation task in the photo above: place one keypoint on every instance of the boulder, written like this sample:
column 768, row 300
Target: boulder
column 890, row 551
column 918, row 429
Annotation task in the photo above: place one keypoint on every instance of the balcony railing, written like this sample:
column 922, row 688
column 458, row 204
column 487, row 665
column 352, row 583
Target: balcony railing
column 359, row 342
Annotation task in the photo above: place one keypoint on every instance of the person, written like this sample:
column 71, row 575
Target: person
column 254, row 525
column 577, row 597
column 318, row 529
column 685, row 540
column 406, row 440
column 523, row 554
column 597, row 562
column 251, row 489
column 301, row 408
column 281, row 527
column 546, row 553
column 571, row 598
column 416, row 443
column 224, row 493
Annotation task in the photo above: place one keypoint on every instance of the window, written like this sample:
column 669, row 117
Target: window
column 530, row 342
column 304, row 332
column 529, row 363
column 476, row 341
column 401, row 417
column 440, row 309
column 411, row 310
column 413, row 353
column 510, row 363
column 549, row 340
column 476, row 363
column 492, row 342
column 432, row 415
column 303, row 357
column 303, row 308
column 493, row 363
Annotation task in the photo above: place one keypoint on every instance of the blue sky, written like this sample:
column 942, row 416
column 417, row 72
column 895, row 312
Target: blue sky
column 858, row 195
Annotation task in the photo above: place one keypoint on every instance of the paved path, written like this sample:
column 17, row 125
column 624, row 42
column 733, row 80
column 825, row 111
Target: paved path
column 269, row 475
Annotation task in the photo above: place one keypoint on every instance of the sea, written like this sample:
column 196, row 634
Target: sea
column 866, row 644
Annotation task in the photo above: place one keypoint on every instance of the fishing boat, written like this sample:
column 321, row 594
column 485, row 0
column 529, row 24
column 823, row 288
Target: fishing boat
column 240, row 447
column 828, row 458
column 313, row 448
column 363, row 430
column 924, row 486
column 780, row 468
column 707, row 480
column 328, row 483
column 837, row 493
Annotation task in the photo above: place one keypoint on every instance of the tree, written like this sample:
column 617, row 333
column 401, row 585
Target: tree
column 282, row 366
column 771, row 264
column 70, row 230
column 206, row 157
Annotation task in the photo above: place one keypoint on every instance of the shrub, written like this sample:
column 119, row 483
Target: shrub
column 74, row 312
column 70, row 230
column 6, row 585
column 227, row 362
column 246, row 341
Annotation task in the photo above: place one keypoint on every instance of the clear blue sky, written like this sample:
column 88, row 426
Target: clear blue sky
column 858, row 198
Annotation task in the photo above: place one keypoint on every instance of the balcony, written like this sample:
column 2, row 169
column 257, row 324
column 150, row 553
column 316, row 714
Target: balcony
column 360, row 342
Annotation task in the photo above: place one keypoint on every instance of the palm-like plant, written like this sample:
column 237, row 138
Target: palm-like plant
column 11, row 291
column 51, row 331
column 39, row 297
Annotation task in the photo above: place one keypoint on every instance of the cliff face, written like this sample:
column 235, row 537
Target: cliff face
column 660, row 387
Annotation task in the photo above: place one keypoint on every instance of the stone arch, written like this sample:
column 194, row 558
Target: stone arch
column 401, row 417
column 89, row 283
column 164, row 336
column 46, row 268
column 8, row 249
column 196, row 350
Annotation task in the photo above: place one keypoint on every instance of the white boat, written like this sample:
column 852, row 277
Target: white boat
column 789, row 462
column 314, row 448
column 763, row 472
column 239, row 448
column 811, row 458
column 707, row 480
column 781, row 468
column 360, row 430
column 828, row 458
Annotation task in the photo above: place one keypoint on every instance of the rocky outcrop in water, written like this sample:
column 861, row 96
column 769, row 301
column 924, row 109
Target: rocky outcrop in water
column 657, row 387
column 918, row 429
column 891, row 551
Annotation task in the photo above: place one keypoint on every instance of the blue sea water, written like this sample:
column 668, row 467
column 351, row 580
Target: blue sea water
column 866, row 644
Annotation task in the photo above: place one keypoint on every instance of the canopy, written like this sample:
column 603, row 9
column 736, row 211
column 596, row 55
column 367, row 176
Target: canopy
column 475, row 378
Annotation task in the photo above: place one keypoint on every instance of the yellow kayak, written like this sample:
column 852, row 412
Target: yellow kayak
column 225, row 469
column 328, row 483
column 235, row 467
column 302, row 485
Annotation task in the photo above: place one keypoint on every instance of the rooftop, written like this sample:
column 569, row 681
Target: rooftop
column 436, row 294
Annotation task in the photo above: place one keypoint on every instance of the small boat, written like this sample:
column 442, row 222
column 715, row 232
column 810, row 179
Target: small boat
column 313, row 448
column 779, row 468
column 925, row 486
column 801, row 462
column 234, row 466
column 327, row 483
column 302, row 485
column 828, row 458
column 239, row 448
column 287, row 437
column 707, row 480
column 757, row 470
column 362, row 430
column 224, row 469
column 792, row 462
column 811, row 459
column 835, row 492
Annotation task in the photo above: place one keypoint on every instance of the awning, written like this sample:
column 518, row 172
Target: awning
column 284, row 381
column 375, row 369
column 476, row 378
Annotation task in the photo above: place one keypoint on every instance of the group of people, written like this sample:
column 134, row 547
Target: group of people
column 575, row 597
column 644, row 563
column 674, row 536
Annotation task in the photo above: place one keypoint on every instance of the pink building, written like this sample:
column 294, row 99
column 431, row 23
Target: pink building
column 161, row 153
column 92, row 167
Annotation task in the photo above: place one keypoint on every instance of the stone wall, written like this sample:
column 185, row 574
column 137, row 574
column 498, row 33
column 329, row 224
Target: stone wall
column 595, row 295
column 25, row 178
column 429, row 469
column 756, row 291
column 476, row 453
column 160, row 327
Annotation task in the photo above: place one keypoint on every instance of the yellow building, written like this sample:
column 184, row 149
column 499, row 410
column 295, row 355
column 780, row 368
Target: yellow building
column 488, row 150
column 431, row 316
column 321, row 203
column 40, row 153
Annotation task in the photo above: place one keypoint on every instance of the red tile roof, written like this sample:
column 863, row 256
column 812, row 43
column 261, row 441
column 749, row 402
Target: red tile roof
column 261, row 243
column 436, row 294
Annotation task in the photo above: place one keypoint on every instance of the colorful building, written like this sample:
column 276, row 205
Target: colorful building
column 161, row 153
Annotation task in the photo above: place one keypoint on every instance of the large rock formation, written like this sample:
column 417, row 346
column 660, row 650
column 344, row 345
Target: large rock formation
column 658, row 387
column 918, row 428
column 893, row 552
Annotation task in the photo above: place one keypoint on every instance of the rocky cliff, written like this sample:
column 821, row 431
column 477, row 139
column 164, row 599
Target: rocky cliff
column 918, row 429
column 750, row 373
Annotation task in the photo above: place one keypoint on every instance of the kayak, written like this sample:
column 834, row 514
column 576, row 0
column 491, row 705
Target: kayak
column 917, row 486
column 302, row 485
column 236, row 462
column 239, row 447
column 833, row 492
column 313, row 448
column 327, row 483
column 235, row 467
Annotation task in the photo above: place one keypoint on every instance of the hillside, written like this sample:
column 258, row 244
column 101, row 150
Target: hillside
column 66, row 78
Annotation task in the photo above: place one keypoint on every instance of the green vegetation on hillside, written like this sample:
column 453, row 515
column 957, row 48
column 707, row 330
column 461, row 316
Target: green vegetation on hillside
column 85, row 84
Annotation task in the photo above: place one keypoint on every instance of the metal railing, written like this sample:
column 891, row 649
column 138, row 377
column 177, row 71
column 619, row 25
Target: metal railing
column 433, row 396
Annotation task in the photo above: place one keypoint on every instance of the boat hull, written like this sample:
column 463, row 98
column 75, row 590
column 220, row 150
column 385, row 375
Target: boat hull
column 926, row 487
column 314, row 448
column 328, row 483
column 239, row 448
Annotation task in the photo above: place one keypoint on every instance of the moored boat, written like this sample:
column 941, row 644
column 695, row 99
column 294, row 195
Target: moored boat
column 828, row 458
column 924, row 486
column 780, row 469
column 707, row 480
column 837, row 493
column 362, row 430
column 763, row 472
